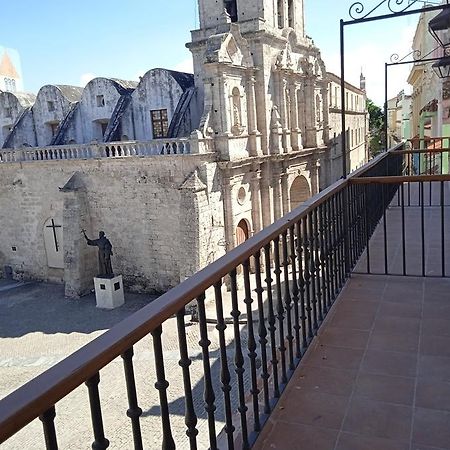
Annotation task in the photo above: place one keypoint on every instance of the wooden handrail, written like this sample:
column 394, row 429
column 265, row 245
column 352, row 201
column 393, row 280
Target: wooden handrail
column 399, row 179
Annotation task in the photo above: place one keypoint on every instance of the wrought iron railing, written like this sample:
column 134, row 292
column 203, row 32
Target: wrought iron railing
column 267, row 298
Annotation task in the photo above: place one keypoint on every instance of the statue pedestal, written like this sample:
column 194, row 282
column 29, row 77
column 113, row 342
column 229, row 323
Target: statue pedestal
column 109, row 292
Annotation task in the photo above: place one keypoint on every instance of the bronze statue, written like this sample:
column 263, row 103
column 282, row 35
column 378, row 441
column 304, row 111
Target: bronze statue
column 104, row 254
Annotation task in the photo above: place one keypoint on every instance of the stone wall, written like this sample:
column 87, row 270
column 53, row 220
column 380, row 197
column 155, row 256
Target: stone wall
column 150, row 209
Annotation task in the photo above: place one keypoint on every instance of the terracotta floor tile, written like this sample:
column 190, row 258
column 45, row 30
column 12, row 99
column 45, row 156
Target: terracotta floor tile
column 436, row 327
column 389, row 363
column 335, row 357
column 385, row 388
column 391, row 309
column 435, row 345
column 312, row 408
column 394, row 342
column 284, row 436
column 347, row 441
column 402, row 297
column 324, row 379
column 431, row 428
column 396, row 325
column 341, row 337
column 358, row 306
column 433, row 394
column 437, row 311
column 378, row 419
column 350, row 320
column 434, row 367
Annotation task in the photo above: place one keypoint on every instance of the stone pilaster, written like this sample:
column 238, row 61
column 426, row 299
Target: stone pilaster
column 254, row 134
column 80, row 260
column 255, row 192
column 296, row 134
column 285, row 192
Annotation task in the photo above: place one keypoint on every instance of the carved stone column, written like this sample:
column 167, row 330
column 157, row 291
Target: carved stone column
column 265, row 186
column 285, row 192
column 283, row 113
column 255, row 192
column 253, row 132
column 276, row 192
column 296, row 136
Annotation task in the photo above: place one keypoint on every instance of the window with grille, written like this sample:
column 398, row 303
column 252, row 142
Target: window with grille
column 160, row 124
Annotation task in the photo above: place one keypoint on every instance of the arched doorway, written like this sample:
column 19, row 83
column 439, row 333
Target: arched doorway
column 242, row 232
column 299, row 192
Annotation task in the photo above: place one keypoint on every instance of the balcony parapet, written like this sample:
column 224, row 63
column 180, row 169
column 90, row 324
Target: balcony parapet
column 179, row 146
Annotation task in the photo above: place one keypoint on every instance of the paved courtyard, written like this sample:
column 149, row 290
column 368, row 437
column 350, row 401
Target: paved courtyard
column 39, row 327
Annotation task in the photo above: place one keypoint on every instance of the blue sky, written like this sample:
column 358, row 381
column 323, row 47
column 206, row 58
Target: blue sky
column 69, row 42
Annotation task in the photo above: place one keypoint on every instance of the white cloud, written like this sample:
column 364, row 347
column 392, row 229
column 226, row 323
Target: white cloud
column 86, row 77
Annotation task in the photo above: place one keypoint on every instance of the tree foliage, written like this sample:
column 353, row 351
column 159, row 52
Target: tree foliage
column 376, row 121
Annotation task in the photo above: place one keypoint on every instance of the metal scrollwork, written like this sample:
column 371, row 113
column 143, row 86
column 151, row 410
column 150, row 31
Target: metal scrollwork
column 358, row 11
column 415, row 54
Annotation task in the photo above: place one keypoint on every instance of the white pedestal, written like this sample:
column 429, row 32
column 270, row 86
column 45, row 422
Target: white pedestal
column 109, row 292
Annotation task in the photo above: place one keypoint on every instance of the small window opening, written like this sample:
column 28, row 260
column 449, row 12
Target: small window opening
column 231, row 7
column 100, row 100
column 51, row 106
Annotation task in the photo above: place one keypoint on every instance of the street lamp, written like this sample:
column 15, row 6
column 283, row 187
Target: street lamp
column 442, row 67
column 439, row 27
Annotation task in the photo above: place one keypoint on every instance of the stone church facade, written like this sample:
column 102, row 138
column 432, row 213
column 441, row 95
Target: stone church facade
column 176, row 169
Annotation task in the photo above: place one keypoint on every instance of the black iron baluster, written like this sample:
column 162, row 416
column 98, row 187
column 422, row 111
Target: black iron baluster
column 295, row 292
column 280, row 311
column 327, row 253
column 385, row 239
column 162, row 385
column 307, row 276
column 312, row 270
column 403, row 230
column 190, row 418
column 301, row 283
column 409, row 193
column 208, row 395
column 341, row 231
column 331, row 258
column 239, row 360
column 262, row 331
column 272, row 322
column 442, row 228
column 288, row 301
column 100, row 442
column 251, row 345
column 322, row 259
column 422, row 221
column 225, row 377
column 317, row 264
column 133, row 412
column 335, row 245
column 367, row 231
column 48, row 423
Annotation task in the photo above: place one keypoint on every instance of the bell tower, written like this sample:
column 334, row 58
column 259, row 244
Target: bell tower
column 273, row 14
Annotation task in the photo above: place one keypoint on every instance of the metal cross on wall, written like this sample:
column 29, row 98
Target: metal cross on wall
column 54, row 227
